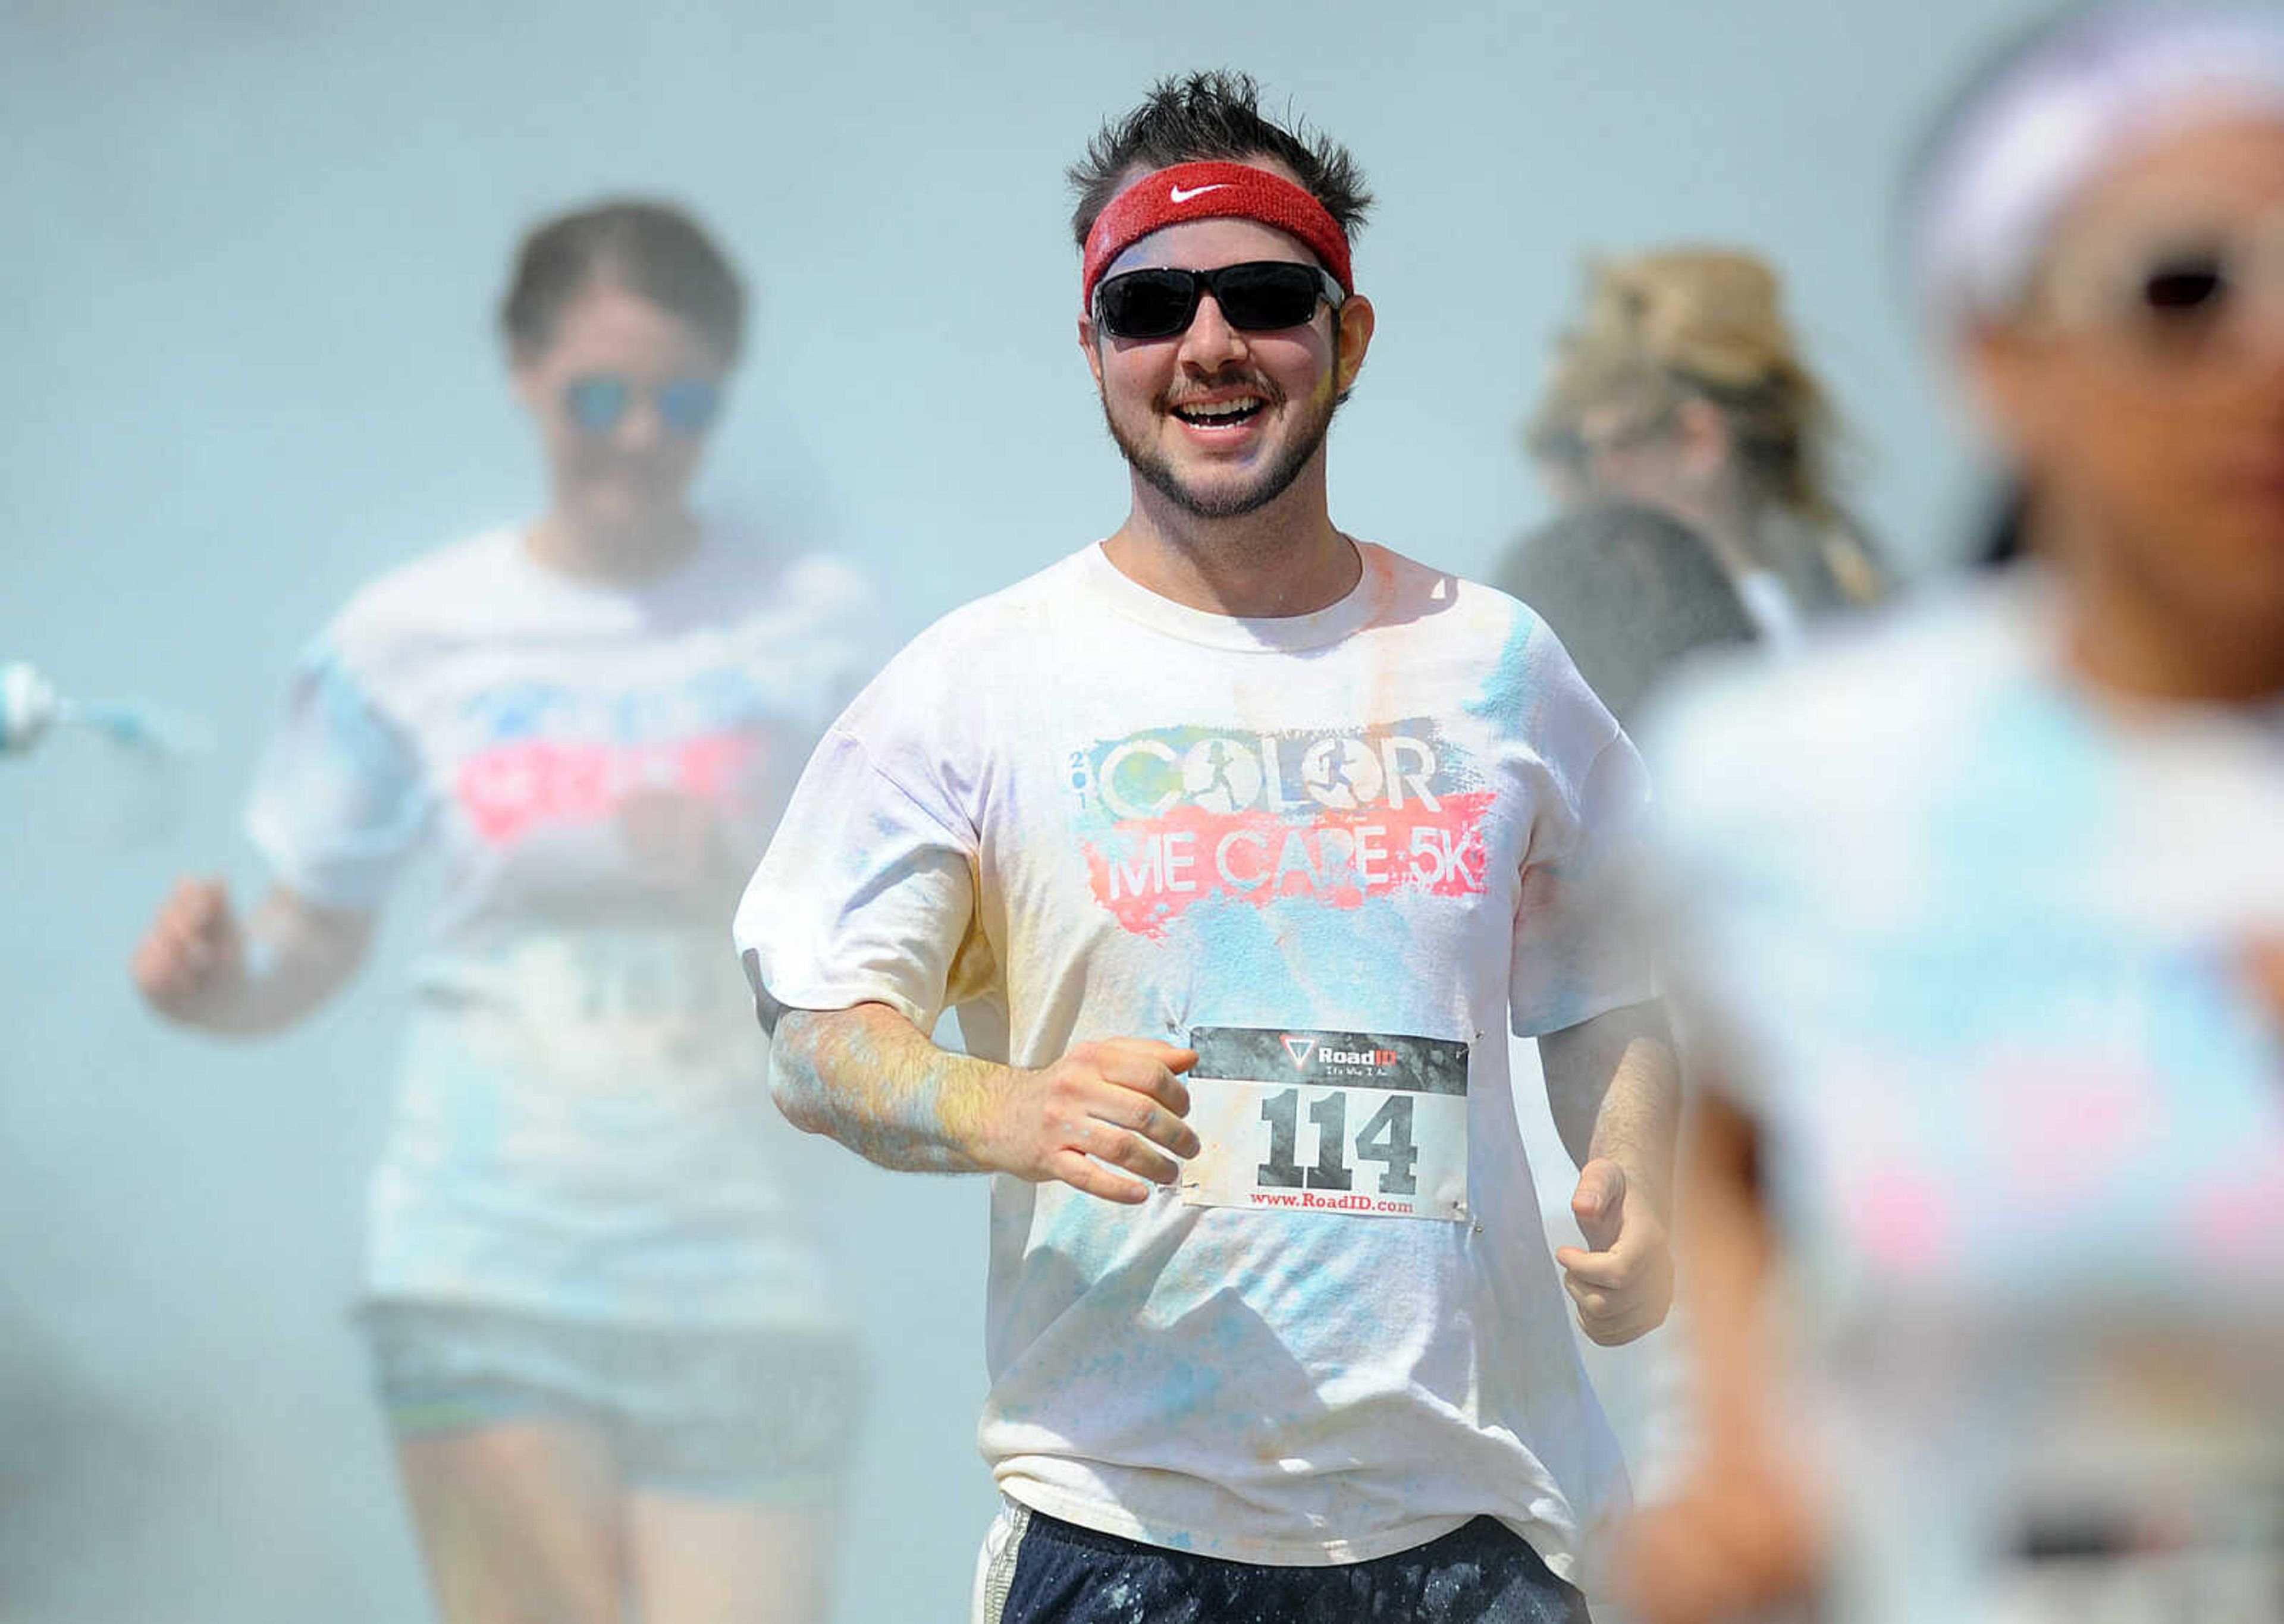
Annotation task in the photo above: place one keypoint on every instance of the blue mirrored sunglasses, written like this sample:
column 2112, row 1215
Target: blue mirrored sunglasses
column 687, row 406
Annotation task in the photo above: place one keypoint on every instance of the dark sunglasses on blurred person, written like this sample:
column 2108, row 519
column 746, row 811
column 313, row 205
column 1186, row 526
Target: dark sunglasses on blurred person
column 1256, row 296
column 2177, row 287
column 1625, row 436
column 597, row 403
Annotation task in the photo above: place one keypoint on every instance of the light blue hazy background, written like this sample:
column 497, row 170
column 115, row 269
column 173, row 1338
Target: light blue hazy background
column 252, row 249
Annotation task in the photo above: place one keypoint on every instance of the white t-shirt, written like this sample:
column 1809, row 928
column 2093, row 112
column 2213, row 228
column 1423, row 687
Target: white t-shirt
column 1335, row 852
column 582, row 1127
column 1973, row 947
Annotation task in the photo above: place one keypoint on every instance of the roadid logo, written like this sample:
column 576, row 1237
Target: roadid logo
column 1327, row 1058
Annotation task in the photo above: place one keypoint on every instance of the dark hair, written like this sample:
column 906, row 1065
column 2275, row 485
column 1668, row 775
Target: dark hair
column 651, row 248
column 1213, row 115
column 2005, row 536
column 1630, row 592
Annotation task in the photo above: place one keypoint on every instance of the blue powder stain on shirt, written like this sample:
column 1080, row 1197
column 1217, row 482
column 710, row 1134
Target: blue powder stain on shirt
column 355, row 728
column 727, row 698
column 2035, row 751
column 1296, row 958
column 517, row 710
column 1994, row 844
column 1506, row 697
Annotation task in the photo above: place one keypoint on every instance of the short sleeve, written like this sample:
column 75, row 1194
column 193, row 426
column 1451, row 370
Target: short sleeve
column 1579, row 949
column 866, row 894
column 340, row 800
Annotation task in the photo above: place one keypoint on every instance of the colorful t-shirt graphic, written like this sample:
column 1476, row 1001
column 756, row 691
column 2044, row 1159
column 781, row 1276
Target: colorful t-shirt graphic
column 1185, row 814
column 1337, row 853
column 1977, row 953
column 582, row 1127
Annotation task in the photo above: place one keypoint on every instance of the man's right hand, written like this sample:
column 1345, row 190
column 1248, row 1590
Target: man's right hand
column 1115, row 1104
column 192, row 960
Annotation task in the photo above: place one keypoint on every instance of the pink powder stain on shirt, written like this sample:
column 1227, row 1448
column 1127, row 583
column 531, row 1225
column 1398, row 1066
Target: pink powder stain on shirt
column 1900, row 1220
column 512, row 789
column 2065, row 1131
column 2239, row 1220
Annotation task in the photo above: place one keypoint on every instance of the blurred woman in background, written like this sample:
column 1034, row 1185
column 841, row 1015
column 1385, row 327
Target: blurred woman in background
column 1978, row 914
column 618, row 1384
column 1627, row 575
column 1681, row 388
column 1632, row 592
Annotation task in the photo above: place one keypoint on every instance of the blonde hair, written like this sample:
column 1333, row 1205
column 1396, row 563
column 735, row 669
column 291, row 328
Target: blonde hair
column 1664, row 327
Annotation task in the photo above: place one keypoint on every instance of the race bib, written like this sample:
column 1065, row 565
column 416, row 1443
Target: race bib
column 1357, row 1122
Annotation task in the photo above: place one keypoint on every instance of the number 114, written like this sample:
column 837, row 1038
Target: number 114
column 1386, row 1139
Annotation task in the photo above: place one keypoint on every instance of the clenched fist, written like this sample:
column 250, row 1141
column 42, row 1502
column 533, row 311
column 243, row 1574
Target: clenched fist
column 192, row 959
column 1624, row 1285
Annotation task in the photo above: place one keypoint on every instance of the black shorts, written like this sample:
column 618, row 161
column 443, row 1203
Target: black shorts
column 1049, row 1572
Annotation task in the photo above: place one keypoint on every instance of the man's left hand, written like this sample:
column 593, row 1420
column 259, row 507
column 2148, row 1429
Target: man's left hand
column 1624, row 1285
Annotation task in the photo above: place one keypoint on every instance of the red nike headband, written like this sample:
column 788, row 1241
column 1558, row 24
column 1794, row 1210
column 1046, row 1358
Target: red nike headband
column 1211, row 192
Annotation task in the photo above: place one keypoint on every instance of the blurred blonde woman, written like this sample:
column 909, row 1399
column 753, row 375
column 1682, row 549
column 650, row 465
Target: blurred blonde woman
column 1680, row 389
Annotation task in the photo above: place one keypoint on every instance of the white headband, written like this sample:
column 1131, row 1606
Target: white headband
column 2079, row 98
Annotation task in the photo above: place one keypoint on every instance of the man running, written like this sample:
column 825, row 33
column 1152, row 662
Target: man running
column 1272, row 1332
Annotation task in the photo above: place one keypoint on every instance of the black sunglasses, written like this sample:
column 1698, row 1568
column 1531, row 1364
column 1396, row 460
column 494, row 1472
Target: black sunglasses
column 2179, row 286
column 1257, row 296
column 2191, row 284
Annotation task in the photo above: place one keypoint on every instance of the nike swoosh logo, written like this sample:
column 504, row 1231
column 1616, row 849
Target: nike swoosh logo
column 1179, row 196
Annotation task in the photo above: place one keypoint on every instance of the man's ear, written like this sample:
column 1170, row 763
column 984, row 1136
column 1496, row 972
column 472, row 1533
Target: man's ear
column 1353, row 333
column 523, row 376
column 1093, row 354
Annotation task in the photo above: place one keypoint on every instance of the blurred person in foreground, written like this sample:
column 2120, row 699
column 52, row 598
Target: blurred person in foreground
column 1978, row 914
column 1238, row 843
column 614, row 1370
column 1681, row 388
